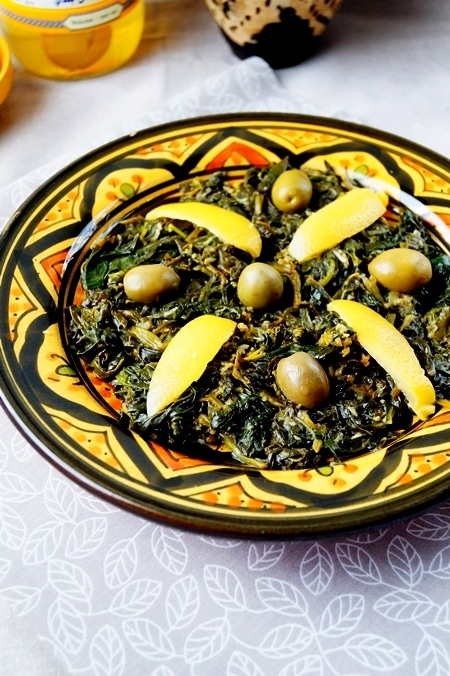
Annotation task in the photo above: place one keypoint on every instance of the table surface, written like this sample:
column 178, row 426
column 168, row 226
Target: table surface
column 144, row 598
column 383, row 63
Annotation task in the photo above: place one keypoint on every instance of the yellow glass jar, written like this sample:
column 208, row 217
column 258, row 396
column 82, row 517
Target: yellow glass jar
column 6, row 73
column 69, row 39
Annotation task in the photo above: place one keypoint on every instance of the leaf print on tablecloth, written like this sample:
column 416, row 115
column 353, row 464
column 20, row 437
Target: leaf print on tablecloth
column 206, row 640
column 375, row 652
column 169, row 549
column 442, row 619
column 367, row 537
column 286, row 640
column 224, row 587
column 342, row 615
column 316, row 569
column 440, row 565
column 60, row 499
column 162, row 670
column 12, row 527
column 5, row 567
column 310, row 665
column 107, row 653
column 221, row 543
column 22, row 599
column 430, row 527
column 182, row 603
column 120, row 563
column 135, row 598
column 94, row 504
column 4, row 455
column 240, row 664
column 72, row 582
column 264, row 556
column 16, row 488
column 148, row 639
column 432, row 658
column 43, row 542
column 405, row 561
column 86, row 537
column 20, row 448
column 281, row 596
column 66, row 626
column 358, row 564
column 403, row 605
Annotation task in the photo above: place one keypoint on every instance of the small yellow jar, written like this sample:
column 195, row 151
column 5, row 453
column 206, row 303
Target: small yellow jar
column 69, row 39
column 6, row 72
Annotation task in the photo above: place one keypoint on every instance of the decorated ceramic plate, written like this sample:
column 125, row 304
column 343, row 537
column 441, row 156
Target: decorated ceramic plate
column 72, row 417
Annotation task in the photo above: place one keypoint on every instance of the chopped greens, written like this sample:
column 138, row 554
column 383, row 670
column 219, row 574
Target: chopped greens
column 236, row 405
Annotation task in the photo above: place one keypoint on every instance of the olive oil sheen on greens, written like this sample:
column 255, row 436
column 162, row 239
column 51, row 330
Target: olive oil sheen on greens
column 71, row 39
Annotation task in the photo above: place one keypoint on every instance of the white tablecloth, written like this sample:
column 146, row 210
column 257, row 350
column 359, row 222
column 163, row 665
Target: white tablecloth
column 86, row 588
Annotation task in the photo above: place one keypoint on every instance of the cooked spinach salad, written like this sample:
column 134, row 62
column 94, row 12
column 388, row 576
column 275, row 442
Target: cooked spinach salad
column 245, row 402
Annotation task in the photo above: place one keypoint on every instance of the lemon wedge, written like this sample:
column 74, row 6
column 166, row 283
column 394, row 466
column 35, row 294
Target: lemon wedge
column 185, row 359
column 330, row 225
column 392, row 351
column 229, row 226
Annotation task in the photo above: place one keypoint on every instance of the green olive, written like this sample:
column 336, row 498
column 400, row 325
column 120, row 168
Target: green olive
column 291, row 191
column 401, row 269
column 147, row 284
column 302, row 380
column 259, row 285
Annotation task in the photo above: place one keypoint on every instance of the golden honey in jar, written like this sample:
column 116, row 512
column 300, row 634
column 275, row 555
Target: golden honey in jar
column 68, row 39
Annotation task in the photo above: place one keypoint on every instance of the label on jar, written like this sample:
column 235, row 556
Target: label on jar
column 61, row 15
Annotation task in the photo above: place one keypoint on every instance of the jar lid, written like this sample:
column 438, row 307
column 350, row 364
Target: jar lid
column 6, row 71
